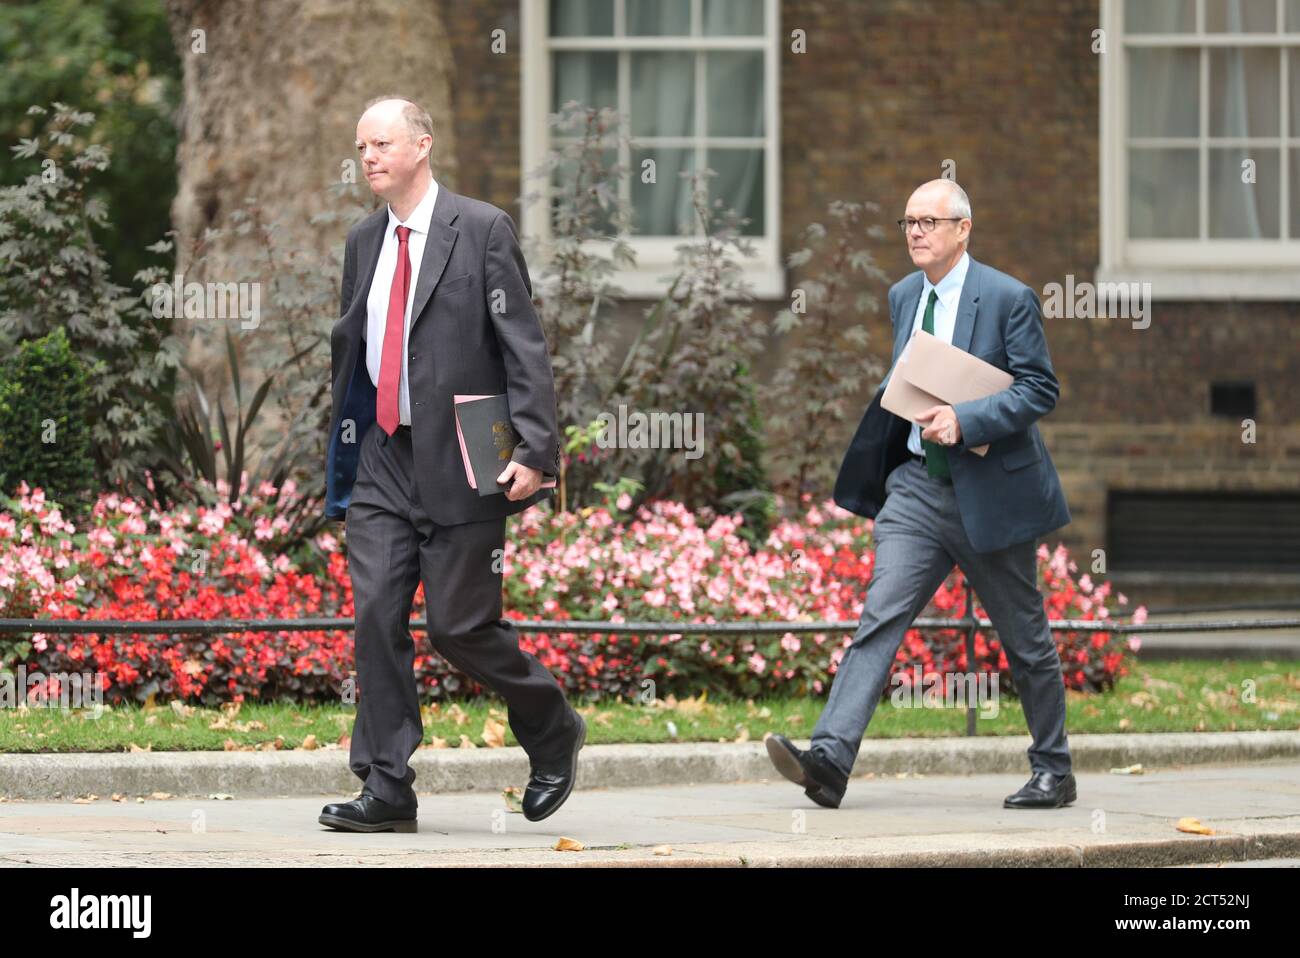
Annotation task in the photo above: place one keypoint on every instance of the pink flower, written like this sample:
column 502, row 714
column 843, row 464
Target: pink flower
column 757, row 663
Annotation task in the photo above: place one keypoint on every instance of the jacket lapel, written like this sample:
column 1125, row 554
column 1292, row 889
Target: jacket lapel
column 966, row 307
column 908, row 316
column 369, row 243
column 437, row 249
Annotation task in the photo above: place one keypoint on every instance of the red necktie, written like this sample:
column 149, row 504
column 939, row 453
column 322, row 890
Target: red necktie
column 390, row 361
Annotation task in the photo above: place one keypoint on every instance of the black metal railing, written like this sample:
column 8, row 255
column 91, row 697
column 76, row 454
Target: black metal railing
column 968, row 623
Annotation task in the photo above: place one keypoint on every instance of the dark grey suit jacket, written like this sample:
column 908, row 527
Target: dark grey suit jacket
column 1013, row 494
column 474, row 331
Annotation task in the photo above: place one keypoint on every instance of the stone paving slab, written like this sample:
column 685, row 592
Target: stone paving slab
column 885, row 820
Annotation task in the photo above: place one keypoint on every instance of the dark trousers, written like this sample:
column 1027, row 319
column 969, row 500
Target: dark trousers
column 393, row 546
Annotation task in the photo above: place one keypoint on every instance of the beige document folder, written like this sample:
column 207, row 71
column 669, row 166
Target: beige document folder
column 930, row 372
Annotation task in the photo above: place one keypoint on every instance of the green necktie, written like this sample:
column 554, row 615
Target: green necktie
column 936, row 456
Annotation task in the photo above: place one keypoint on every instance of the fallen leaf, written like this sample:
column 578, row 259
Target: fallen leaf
column 436, row 742
column 568, row 845
column 85, row 801
column 309, row 743
column 514, row 798
column 1125, row 723
column 663, row 849
column 494, row 734
column 466, row 743
column 457, row 715
column 744, row 733
column 221, row 797
column 1194, row 826
column 181, row 709
column 160, row 796
column 1128, row 770
column 137, row 748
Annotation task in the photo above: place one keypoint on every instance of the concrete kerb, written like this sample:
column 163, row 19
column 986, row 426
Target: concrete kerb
column 265, row 774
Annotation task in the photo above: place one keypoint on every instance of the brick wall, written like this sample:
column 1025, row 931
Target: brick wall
column 1007, row 89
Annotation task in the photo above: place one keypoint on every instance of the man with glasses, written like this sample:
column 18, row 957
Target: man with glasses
column 937, row 504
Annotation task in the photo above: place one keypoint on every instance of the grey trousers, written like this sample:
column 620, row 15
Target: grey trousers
column 393, row 545
column 919, row 538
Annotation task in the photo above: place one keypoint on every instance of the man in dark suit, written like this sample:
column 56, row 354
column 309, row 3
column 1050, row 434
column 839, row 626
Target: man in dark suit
column 936, row 503
column 436, row 301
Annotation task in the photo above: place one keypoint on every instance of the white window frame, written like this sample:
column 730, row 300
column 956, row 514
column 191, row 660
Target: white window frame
column 765, row 271
column 1219, row 269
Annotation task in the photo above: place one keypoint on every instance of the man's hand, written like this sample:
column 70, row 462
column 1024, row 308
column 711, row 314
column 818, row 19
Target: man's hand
column 526, row 481
column 943, row 429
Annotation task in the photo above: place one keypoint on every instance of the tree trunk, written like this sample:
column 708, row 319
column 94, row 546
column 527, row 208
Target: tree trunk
column 271, row 97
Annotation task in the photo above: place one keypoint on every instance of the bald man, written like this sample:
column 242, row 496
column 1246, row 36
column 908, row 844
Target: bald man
column 937, row 504
column 436, row 301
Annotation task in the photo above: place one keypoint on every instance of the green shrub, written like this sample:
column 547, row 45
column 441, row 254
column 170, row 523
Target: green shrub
column 44, row 432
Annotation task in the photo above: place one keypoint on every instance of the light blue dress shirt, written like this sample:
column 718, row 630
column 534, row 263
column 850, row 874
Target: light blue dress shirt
column 945, row 319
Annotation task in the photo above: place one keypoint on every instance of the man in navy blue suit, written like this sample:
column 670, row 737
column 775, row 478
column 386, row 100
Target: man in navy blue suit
column 937, row 504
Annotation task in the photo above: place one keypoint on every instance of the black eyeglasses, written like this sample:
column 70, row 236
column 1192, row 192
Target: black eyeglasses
column 928, row 223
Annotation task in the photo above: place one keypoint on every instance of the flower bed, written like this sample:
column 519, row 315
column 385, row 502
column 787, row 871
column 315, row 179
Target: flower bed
column 664, row 564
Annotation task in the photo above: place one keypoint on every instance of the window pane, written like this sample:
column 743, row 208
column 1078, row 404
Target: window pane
column 589, row 78
column 1294, row 161
column 1163, row 93
column 1163, row 194
column 1240, row 16
column 733, row 18
column 663, row 94
column 1244, row 87
column 739, row 184
column 657, row 18
column 1160, row 16
column 735, row 92
column 662, row 207
column 1294, row 75
column 582, row 18
column 1293, row 20
column 1244, row 210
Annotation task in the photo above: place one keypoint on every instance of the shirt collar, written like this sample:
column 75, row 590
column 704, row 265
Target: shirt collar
column 948, row 288
column 420, row 216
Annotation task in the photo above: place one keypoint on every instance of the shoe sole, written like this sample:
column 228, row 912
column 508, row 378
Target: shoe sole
column 788, row 765
column 573, row 777
column 348, row 825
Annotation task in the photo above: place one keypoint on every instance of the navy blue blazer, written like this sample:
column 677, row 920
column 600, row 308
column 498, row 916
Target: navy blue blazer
column 1013, row 493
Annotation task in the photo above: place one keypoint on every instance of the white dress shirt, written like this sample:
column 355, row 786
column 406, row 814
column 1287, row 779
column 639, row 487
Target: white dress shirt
column 945, row 319
column 377, row 301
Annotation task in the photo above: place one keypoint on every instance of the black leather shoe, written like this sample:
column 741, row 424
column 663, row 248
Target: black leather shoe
column 548, row 788
column 822, row 782
column 366, row 813
column 1044, row 790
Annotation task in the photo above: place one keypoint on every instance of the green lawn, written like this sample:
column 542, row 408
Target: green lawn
column 1158, row 697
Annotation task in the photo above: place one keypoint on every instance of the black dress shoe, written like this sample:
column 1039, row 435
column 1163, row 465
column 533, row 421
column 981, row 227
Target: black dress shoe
column 821, row 781
column 366, row 813
column 1044, row 790
column 548, row 788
